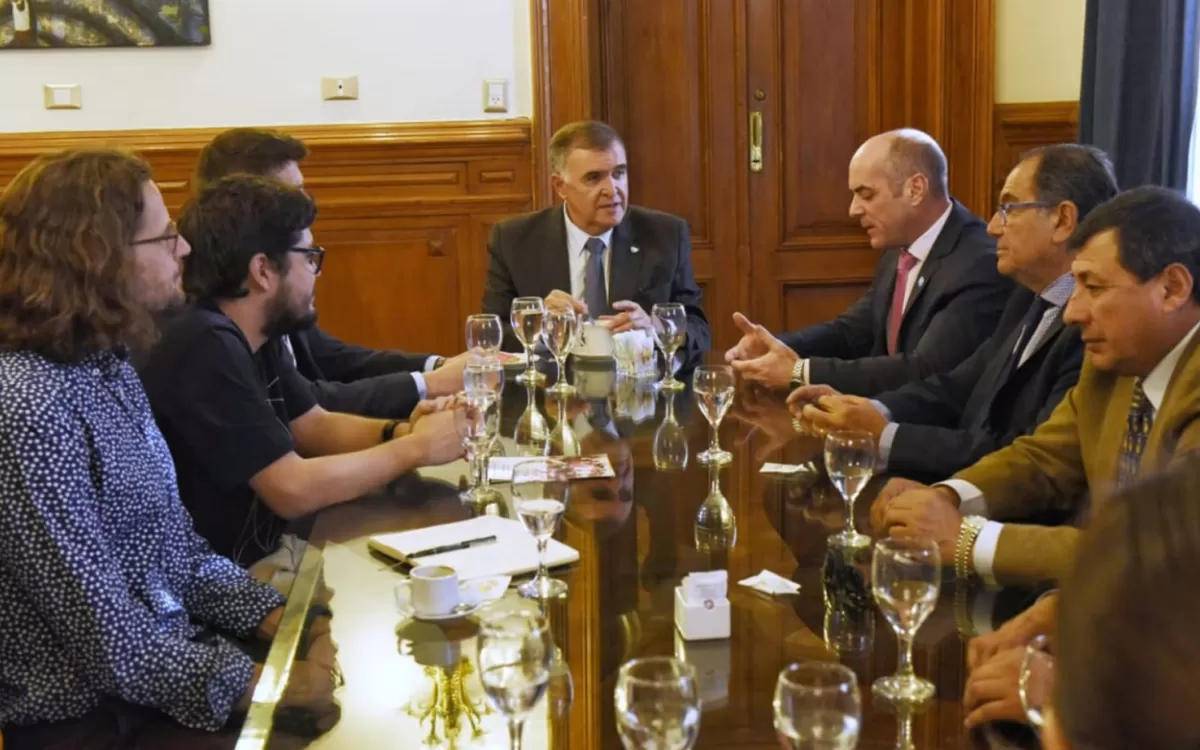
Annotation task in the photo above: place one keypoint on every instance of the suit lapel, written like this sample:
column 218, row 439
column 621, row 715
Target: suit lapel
column 552, row 245
column 883, row 300
column 625, row 265
column 943, row 244
column 1056, row 326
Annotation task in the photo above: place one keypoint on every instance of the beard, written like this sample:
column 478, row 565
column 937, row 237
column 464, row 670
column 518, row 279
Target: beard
column 283, row 318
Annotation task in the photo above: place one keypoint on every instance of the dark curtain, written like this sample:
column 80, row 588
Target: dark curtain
column 1138, row 96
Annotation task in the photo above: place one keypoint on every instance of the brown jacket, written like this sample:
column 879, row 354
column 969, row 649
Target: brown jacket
column 1072, row 457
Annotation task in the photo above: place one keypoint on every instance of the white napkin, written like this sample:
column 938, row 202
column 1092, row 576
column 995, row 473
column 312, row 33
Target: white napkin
column 487, row 589
column 709, row 586
column 770, row 583
column 770, row 468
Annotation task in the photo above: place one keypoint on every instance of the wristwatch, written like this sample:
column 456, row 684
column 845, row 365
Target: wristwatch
column 798, row 374
column 389, row 430
column 439, row 362
column 964, row 549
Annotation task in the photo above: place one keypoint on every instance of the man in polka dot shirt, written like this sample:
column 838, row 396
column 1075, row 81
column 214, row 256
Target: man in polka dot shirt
column 107, row 595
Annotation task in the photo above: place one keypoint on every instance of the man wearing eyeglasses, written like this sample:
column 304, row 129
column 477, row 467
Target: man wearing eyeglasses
column 930, row 429
column 252, row 448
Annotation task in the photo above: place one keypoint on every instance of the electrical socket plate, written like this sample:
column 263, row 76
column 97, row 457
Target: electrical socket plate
column 62, row 96
column 339, row 87
column 495, row 95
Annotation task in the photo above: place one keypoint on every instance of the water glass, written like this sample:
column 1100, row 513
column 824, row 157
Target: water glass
column 670, row 447
column 1036, row 681
column 478, row 423
column 850, row 463
column 539, row 490
column 516, row 650
column 484, row 334
column 484, row 376
column 670, row 331
column 559, row 331
column 817, row 705
column 526, row 320
column 712, row 387
column 658, row 707
column 905, row 576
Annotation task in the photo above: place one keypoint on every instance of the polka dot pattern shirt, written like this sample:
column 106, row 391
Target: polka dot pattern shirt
column 105, row 588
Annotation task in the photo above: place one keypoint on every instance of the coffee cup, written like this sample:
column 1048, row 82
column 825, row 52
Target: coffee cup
column 433, row 590
column 595, row 340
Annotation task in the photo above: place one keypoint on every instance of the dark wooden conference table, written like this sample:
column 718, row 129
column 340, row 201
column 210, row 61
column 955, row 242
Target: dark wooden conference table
column 413, row 684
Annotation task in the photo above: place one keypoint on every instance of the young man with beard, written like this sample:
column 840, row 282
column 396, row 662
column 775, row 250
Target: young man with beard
column 113, row 611
column 252, row 447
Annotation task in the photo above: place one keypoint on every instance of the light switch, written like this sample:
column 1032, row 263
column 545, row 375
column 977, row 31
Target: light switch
column 62, row 96
column 339, row 87
column 495, row 95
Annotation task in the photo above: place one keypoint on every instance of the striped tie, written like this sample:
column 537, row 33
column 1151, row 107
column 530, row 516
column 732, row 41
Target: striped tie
column 1137, row 427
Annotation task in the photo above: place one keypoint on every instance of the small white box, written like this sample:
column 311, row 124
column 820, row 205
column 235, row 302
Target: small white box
column 701, row 621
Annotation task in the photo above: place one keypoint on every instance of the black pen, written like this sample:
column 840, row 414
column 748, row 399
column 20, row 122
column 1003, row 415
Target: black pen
column 453, row 547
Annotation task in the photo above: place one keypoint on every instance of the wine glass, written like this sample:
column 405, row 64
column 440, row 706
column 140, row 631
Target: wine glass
column 532, row 434
column 850, row 462
column 817, row 705
column 539, row 491
column 657, row 704
column 484, row 376
column 526, row 320
column 1036, row 680
column 484, row 334
column 716, row 525
column 515, row 654
column 905, row 574
column 478, row 423
column 670, row 331
column 712, row 386
column 559, row 329
column 670, row 448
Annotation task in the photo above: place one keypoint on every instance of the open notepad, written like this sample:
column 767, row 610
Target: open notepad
column 513, row 553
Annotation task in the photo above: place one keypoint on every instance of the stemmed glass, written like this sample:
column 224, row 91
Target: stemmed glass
column 515, row 654
column 670, row 448
column 905, row 575
column 559, row 329
column 850, row 462
column 716, row 524
column 484, row 334
column 657, row 704
column 478, row 423
column 1036, row 680
column 817, row 705
column 712, row 386
column 526, row 319
column 539, row 490
column 670, row 331
column 532, row 434
column 484, row 376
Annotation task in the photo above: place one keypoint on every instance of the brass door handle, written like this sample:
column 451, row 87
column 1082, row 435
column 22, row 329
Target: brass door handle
column 756, row 140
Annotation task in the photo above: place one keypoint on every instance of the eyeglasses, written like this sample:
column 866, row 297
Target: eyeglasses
column 315, row 256
column 171, row 238
column 1004, row 208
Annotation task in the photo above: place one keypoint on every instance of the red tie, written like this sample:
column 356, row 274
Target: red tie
column 903, row 267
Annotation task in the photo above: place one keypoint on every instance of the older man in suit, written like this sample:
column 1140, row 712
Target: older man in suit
column 931, row 429
column 596, row 253
column 1135, row 409
column 936, row 296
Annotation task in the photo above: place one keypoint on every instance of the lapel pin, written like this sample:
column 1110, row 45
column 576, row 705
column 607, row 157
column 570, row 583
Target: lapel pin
column 634, row 249
column 920, row 281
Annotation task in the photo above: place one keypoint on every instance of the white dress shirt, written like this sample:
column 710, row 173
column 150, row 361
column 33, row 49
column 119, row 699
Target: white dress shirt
column 577, row 256
column 971, row 500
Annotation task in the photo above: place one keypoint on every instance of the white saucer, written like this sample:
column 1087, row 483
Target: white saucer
column 468, row 598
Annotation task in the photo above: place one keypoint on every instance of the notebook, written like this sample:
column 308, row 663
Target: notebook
column 513, row 553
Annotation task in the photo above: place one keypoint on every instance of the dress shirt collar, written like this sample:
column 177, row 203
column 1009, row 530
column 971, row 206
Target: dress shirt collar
column 1059, row 290
column 922, row 245
column 1155, row 384
column 577, row 238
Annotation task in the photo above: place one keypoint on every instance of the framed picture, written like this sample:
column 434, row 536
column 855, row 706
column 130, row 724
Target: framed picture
column 36, row 24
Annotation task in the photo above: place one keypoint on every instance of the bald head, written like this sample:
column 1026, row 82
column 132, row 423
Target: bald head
column 898, row 179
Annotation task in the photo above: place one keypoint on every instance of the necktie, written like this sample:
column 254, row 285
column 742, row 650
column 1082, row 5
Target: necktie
column 1137, row 427
column 595, row 291
column 1033, row 318
column 903, row 267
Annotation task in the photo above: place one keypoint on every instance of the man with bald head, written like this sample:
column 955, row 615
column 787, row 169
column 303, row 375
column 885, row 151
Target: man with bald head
column 936, row 296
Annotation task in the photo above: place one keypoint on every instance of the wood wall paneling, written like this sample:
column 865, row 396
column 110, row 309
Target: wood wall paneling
column 1020, row 127
column 404, row 210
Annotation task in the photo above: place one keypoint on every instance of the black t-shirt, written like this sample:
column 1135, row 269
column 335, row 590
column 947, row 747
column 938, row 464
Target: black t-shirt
column 224, row 412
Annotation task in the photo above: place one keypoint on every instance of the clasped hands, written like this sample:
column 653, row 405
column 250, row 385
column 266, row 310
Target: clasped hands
column 630, row 316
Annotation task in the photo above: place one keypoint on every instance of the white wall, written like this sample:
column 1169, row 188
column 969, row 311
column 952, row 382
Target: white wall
column 417, row 60
column 1039, row 50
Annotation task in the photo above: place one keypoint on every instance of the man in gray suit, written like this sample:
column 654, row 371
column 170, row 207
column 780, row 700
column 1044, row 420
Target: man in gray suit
column 595, row 253
column 936, row 296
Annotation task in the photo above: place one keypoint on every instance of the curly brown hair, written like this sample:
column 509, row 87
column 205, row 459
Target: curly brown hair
column 66, row 269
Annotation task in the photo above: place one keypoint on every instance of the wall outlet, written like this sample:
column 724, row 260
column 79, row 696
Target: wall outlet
column 62, row 96
column 495, row 95
column 339, row 87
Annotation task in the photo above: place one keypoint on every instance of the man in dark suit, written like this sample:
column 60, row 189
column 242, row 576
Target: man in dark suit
column 932, row 429
column 595, row 253
column 344, row 378
column 936, row 296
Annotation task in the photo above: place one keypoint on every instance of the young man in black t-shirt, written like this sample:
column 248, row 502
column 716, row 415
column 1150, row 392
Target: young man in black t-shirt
column 237, row 416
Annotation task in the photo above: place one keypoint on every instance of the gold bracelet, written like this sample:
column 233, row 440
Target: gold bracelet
column 968, row 531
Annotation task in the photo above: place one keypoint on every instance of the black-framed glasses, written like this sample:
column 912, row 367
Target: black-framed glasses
column 171, row 237
column 315, row 256
column 1004, row 208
